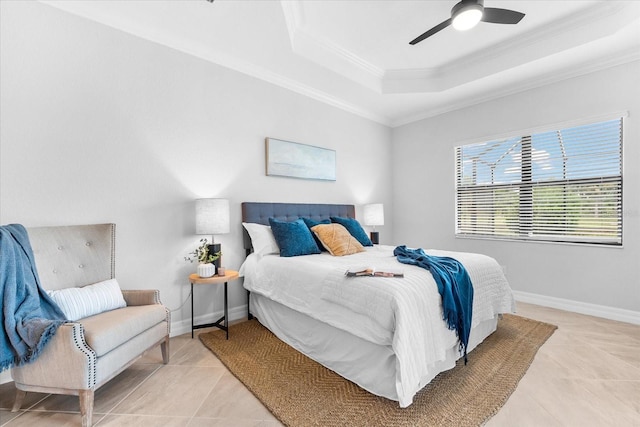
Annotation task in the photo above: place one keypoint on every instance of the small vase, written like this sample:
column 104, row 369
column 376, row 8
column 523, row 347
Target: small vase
column 206, row 270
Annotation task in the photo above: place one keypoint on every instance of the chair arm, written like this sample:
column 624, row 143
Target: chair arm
column 66, row 362
column 141, row 297
column 146, row 297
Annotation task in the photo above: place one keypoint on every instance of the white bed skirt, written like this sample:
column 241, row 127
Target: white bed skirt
column 371, row 366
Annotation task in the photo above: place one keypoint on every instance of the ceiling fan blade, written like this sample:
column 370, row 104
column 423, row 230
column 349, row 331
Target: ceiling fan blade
column 501, row 16
column 432, row 31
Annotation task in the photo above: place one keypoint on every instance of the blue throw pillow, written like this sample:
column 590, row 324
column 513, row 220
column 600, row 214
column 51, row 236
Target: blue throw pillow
column 312, row 223
column 293, row 238
column 354, row 228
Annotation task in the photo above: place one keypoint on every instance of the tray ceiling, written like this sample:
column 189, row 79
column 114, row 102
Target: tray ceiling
column 356, row 55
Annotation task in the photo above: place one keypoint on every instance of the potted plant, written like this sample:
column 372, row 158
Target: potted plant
column 205, row 259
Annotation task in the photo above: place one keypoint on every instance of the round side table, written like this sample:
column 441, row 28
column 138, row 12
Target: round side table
column 223, row 322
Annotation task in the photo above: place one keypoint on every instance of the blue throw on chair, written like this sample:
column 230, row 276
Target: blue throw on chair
column 454, row 285
column 29, row 316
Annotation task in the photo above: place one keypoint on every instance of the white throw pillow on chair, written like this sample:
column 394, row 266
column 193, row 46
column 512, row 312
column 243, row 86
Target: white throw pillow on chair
column 78, row 303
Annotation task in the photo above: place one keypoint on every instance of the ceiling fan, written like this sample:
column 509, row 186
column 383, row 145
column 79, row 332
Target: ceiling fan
column 467, row 13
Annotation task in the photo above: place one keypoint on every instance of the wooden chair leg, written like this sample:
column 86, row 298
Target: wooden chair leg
column 20, row 395
column 164, row 348
column 86, row 407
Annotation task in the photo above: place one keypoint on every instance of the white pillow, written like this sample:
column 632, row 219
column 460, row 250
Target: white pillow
column 78, row 303
column 262, row 239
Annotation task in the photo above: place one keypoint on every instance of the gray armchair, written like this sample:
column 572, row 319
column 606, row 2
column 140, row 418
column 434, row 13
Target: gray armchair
column 84, row 355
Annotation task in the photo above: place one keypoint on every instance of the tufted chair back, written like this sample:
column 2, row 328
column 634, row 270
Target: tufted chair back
column 75, row 255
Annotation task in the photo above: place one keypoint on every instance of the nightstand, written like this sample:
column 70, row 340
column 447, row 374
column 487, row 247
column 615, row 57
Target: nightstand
column 223, row 322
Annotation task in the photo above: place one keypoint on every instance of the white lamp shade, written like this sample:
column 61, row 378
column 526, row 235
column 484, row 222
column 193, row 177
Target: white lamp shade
column 212, row 216
column 374, row 214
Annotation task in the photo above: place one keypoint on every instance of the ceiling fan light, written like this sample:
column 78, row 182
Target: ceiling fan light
column 467, row 17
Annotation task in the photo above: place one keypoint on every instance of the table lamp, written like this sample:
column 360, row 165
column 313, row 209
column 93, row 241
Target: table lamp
column 374, row 215
column 212, row 217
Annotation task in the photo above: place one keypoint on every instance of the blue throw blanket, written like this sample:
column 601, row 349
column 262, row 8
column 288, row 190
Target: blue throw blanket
column 29, row 316
column 454, row 286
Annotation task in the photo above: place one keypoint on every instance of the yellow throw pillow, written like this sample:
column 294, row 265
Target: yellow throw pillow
column 337, row 239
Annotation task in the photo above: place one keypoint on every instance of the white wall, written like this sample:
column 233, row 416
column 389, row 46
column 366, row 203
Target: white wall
column 424, row 187
column 100, row 126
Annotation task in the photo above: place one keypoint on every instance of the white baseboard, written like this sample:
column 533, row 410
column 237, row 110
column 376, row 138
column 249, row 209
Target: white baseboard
column 604, row 311
column 184, row 326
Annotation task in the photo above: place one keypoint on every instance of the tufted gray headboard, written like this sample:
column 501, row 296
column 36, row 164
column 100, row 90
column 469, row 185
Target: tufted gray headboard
column 75, row 255
column 260, row 213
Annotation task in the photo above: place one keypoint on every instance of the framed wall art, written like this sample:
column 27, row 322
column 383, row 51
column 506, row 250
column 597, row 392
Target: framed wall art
column 295, row 160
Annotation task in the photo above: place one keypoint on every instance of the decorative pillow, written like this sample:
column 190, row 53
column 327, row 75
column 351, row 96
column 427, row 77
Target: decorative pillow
column 294, row 238
column 337, row 239
column 354, row 227
column 262, row 238
column 312, row 223
column 78, row 303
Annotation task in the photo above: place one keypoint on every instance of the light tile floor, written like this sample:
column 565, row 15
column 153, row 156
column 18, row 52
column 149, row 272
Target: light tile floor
column 587, row 374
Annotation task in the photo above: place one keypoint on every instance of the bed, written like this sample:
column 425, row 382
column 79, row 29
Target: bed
column 384, row 334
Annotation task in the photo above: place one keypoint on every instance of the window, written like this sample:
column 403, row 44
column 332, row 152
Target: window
column 557, row 186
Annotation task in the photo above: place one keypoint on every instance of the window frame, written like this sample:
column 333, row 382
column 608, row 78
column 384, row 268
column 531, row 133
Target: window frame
column 522, row 235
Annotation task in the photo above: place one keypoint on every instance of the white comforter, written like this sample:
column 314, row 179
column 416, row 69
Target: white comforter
column 405, row 313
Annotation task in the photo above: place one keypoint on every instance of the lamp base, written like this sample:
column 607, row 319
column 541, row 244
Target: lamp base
column 216, row 247
column 375, row 237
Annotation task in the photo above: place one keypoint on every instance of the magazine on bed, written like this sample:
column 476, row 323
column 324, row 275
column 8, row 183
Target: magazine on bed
column 371, row 271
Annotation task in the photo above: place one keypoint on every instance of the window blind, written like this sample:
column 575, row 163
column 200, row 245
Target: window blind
column 561, row 186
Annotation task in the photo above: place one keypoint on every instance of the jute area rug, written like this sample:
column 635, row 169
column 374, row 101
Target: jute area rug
column 301, row 392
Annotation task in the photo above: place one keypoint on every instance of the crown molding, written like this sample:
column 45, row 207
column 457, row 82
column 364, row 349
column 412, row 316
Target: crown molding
column 529, row 47
column 337, row 59
column 222, row 59
column 552, row 31
column 326, row 53
column 293, row 17
column 434, row 75
column 626, row 56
